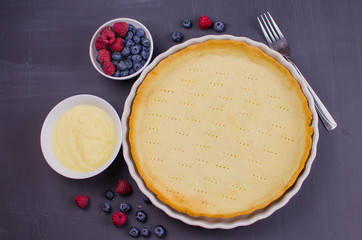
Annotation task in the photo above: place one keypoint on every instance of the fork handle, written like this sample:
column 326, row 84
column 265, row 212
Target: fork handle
column 323, row 113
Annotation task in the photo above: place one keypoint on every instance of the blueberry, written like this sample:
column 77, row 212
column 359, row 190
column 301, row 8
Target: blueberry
column 117, row 73
column 143, row 62
column 128, row 63
column 219, row 26
column 134, row 232
column 129, row 36
column 146, row 199
column 129, row 43
column 134, row 30
column 125, row 207
column 126, row 51
column 129, row 57
column 137, row 66
column 101, row 65
column 115, row 62
column 136, row 49
column 130, row 27
column 145, row 42
column 125, row 73
column 136, row 58
column 97, row 59
column 186, row 23
column 107, row 207
column 116, row 56
column 109, row 194
column 177, row 36
column 121, row 66
column 145, row 232
column 141, row 216
column 160, row 231
column 131, row 71
column 140, row 32
column 146, row 48
column 145, row 54
column 136, row 39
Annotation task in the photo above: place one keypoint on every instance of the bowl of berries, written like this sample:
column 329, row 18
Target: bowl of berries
column 121, row 48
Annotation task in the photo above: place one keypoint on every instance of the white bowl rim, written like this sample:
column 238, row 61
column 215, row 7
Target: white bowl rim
column 53, row 117
column 222, row 223
column 110, row 23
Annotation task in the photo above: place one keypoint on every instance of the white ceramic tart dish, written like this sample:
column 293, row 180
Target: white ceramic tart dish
column 218, row 133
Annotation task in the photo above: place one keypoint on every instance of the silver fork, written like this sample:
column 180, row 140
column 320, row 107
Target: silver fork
column 278, row 42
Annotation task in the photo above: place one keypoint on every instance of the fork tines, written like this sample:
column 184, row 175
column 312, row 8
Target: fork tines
column 270, row 29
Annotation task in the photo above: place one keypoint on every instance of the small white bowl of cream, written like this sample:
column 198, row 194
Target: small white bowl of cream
column 81, row 136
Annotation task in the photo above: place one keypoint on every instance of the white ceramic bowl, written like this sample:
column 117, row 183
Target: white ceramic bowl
column 224, row 223
column 93, row 50
column 52, row 118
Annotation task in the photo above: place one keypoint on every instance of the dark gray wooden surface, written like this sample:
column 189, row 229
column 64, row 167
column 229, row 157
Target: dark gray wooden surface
column 44, row 59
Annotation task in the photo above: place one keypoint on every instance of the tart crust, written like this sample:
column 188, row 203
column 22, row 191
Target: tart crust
column 219, row 129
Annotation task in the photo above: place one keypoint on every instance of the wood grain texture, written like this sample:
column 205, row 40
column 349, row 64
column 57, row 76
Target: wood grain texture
column 44, row 49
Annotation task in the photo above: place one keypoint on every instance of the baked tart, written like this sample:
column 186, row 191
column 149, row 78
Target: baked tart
column 219, row 129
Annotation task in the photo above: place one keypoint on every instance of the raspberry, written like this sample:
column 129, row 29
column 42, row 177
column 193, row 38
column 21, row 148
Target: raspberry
column 100, row 44
column 117, row 46
column 123, row 187
column 103, row 29
column 104, row 56
column 82, row 201
column 120, row 28
column 119, row 218
column 109, row 68
column 204, row 22
column 108, row 36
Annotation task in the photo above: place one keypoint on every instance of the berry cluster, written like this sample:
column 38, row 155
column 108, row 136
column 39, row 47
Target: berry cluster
column 122, row 49
column 120, row 217
column 204, row 23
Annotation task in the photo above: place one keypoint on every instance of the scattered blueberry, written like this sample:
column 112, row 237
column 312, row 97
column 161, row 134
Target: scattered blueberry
column 140, row 32
column 125, row 73
column 107, row 207
column 121, row 66
column 129, row 36
column 126, row 51
column 145, row 42
column 128, row 64
column 177, row 36
column 136, row 39
column 186, row 23
column 219, row 26
column 136, row 58
column 134, row 232
column 141, row 216
column 137, row 66
column 145, row 232
column 130, row 27
column 129, row 43
column 145, row 54
column 136, row 49
column 116, row 56
column 160, row 231
column 125, row 207
column 117, row 73
column 146, row 199
column 109, row 194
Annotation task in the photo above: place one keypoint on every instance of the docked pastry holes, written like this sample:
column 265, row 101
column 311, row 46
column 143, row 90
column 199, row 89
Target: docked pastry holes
column 219, row 129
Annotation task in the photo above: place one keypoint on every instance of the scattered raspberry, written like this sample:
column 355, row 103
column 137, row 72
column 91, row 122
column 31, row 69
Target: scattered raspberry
column 104, row 29
column 204, row 22
column 100, row 44
column 120, row 28
column 117, row 46
column 109, row 68
column 108, row 36
column 119, row 218
column 123, row 187
column 104, row 56
column 81, row 200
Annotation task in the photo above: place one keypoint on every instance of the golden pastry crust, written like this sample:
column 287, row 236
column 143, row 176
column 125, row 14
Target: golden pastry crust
column 219, row 129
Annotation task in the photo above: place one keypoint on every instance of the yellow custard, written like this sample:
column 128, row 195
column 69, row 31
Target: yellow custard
column 84, row 138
